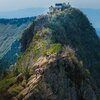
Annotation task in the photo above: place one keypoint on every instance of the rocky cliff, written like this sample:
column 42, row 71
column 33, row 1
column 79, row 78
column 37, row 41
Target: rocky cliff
column 10, row 33
column 59, row 62
column 54, row 77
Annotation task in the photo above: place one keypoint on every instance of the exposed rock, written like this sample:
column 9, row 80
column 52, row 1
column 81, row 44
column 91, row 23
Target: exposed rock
column 60, row 81
column 20, row 78
column 11, row 31
column 64, row 76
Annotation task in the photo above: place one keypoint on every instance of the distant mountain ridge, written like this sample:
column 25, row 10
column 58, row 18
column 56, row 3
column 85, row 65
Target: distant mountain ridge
column 92, row 14
column 15, row 21
column 28, row 12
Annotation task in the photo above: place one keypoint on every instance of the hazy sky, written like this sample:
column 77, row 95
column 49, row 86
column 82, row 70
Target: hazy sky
column 7, row 5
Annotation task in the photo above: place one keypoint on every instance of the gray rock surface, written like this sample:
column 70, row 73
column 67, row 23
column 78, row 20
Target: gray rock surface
column 10, row 34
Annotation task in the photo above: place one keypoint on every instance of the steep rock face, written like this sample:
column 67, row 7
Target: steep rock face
column 49, row 69
column 10, row 33
column 72, row 27
column 38, row 24
column 63, row 78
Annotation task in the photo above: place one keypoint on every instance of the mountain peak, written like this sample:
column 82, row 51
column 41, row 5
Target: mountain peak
column 56, row 59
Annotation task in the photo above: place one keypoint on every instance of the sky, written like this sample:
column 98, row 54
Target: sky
column 11, row 5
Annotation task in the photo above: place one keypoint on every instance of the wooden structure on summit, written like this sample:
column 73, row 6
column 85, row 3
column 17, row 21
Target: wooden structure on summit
column 59, row 7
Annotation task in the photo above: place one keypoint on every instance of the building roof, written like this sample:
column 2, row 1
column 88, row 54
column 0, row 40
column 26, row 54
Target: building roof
column 58, row 4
